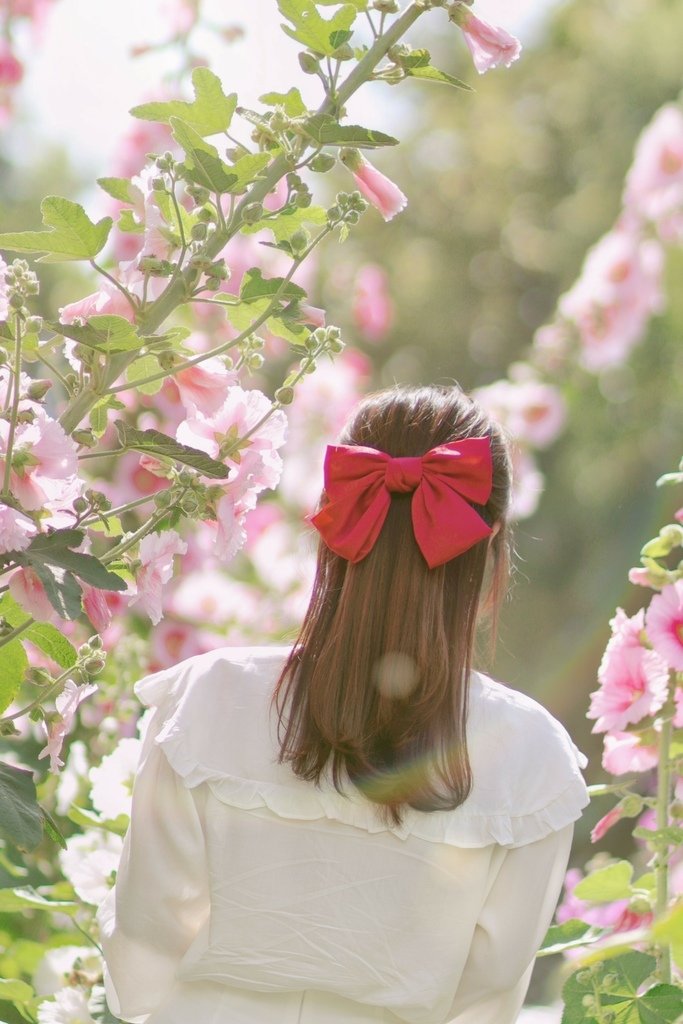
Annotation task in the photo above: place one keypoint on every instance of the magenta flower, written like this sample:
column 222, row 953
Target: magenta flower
column 664, row 624
column 489, row 45
column 11, row 69
column 375, row 186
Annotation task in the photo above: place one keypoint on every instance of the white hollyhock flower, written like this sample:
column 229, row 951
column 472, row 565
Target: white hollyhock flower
column 112, row 779
column 74, row 771
column 70, row 1006
column 89, row 861
column 53, row 970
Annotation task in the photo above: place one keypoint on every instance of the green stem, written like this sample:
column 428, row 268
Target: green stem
column 158, row 311
column 131, row 541
column 119, row 510
column 664, row 786
column 8, row 637
column 16, row 381
column 121, row 288
column 41, row 698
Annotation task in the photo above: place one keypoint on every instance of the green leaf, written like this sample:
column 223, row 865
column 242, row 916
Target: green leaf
column 13, row 665
column 256, row 286
column 429, row 74
column 122, row 189
column 326, row 131
column 247, row 169
column 62, row 589
column 72, row 235
column 606, row 884
column 311, row 29
column 52, row 830
column 210, row 112
column 55, row 550
column 569, row 935
column 672, row 835
column 21, row 820
column 627, row 972
column 670, row 929
column 153, row 442
column 103, row 332
column 13, row 900
column 291, row 102
column 203, row 162
column 52, row 643
column 289, row 222
column 88, row 819
column 13, row 990
column 110, row 526
column 145, row 366
column 128, row 223
column 662, row 1004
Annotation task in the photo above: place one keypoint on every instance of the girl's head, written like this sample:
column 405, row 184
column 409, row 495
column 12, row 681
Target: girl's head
column 378, row 678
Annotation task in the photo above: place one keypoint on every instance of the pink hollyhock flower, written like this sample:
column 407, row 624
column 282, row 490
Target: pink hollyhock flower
column 373, row 310
column 16, row 529
column 640, row 577
column 67, row 705
column 375, row 186
column 11, row 69
column 44, row 459
column 205, row 386
column 96, row 608
column 626, row 630
column 107, row 300
column 664, row 624
column 157, row 238
column 534, row 413
column 633, row 684
column 489, row 45
column 619, row 289
column 624, row 753
column 605, row 824
column 312, row 315
column 231, row 534
column 678, row 516
column 654, row 185
column 156, row 553
column 26, row 588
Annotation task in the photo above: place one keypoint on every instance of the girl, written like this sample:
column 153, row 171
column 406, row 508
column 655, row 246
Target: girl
column 361, row 828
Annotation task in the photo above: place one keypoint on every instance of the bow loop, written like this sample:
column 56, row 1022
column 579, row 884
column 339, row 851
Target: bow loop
column 359, row 482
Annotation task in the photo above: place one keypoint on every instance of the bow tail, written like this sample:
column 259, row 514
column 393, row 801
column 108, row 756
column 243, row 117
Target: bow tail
column 445, row 524
column 350, row 525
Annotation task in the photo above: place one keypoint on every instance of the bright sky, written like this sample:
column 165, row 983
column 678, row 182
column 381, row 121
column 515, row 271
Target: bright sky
column 81, row 80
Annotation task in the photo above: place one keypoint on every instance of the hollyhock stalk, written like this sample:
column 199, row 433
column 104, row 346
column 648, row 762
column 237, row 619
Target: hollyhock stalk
column 664, row 795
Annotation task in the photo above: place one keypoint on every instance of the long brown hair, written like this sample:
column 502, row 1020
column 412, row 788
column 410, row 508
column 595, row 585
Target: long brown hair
column 378, row 677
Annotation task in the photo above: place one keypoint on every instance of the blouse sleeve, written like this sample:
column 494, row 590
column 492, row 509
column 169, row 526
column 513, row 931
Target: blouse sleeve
column 160, row 899
column 516, row 915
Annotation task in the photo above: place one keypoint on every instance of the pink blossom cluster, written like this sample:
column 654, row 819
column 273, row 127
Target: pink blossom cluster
column 533, row 414
column 4, row 291
column 654, row 186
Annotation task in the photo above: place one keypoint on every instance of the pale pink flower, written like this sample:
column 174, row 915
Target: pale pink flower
column 156, row 240
column 605, row 824
column 534, row 413
column 489, row 45
column 664, row 624
column 633, row 684
column 66, row 704
column 230, row 535
column 11, row 69
column 204, row 387
column 312, row 315
column 95, row 607
column 527, row 483
column 373, row 185
column 619, row 290
column 624, row 752
column 678, row 516
column 106, row 300
column 156, row 552
column 172, row 642
column 626, row 629
column 373, row 309
column 641, row 577
column 154, row 466
column 16, row 529
column 26, row 588
column 654, row 185
column 44, row 459
column 603, row 915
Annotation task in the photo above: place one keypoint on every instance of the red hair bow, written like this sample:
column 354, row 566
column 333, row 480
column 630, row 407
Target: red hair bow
column 359, row 483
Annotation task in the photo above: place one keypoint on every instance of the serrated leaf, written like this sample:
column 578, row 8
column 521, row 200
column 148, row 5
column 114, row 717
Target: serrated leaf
column 429, row 74
column 672, row 835
column 104, row 332
column 145, row 366
column 288, row 223
column 606, row 884
column 21, row 821
column 203, row 162
column 210, row 112
column 669, row 929
column 311, row 29
column 62, row 589
column 44, row 635
column 27, row 898
column 88, row 819
column 291, row 102
column 128, row 223
column 248, row 169
column 569, row 935
column 326, row 131
column 122, row 189
column 360, row 5
column 72, row 235
column 55, row 550
column 13, row 665
column 153, row 442
column 110, row 526
column 256, row 286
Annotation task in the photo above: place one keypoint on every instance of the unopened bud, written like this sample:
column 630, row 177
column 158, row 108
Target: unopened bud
column 198, row 232
column 168, row 360
column 95, row 642
column 94, row 665
column 308, row 63
column 299, row 241
column 37, row 389
column 189, row 504
column 34, row 324
column 158, row 184
column 80, row 504
column 285, row 396
column 252, row 213
column 303, row 200
column 164, row 497
column 255, row 361
column 86, row 437
column 322, row 163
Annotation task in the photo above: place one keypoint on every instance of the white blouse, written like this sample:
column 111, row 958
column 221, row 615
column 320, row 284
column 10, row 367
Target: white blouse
column 246, row 894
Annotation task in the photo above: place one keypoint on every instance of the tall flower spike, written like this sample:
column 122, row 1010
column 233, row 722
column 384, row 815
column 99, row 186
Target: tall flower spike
column 375, row 186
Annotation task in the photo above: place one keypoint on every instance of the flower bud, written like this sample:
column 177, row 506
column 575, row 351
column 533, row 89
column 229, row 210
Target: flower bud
column 185, row 476
column 8, row 728
column 82, row 435
column 299, row 241
column 164, row 498
column 158, row 184
column 36, row 714
column 198, row 232
column 285, row 396
column 308, row 63
column 34, row 324
column 189, row 503
column 94, row 665
column 38, row 676
column 252, row 213
column 16, row 301
column 255, row 361
column 385, row 6
column 80, row 504
column 322, row 163
column 303, row 200
column 168, row 360
column 343, row 52
column 95, row 642
column 37, row 389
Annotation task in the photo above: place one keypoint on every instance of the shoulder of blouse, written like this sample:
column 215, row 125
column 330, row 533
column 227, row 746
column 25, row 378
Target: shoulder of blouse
column 215, row 725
